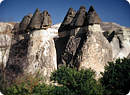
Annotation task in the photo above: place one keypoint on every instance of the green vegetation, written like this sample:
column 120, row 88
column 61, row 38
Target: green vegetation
column 27, row 85
column 115, row 81
column 78, row 82
column 116, row 78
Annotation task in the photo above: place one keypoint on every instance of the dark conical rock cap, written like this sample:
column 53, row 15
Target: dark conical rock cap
column 35, row 22
column 79, row 18
column 92, row 17
column 67, row 20
column 82, row 8
column 45, row 13
column 69, row 16
column 46, row 19
column 91, row 9
column 24, row 23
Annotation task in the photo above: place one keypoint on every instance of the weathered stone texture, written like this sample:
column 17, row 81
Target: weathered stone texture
column 79, row 18
column 92, row 17
column 35, row 22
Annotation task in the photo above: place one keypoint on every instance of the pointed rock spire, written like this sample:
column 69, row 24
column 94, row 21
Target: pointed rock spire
column 79, row 18
column 35, row 22
column 24, row 23
column 46, row 19
column 92, row 17
column 67, row 20
column 91, row 9
column 69, row 16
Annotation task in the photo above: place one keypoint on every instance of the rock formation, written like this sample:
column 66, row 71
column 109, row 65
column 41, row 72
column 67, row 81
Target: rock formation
column 24, row 23
column 46, row 20
column 68, row 31
column 82, row 41
column 92, row 17
column 95, row 53
column 34, row 53
column 66, row 23
column 73, row 43
column 64, row 33
column 91, row 44
column 41, row 54
column 36, row 20
column 86, row 47
column 119, row 38
column 79, row 18
column 5, row 41
column 40, row 20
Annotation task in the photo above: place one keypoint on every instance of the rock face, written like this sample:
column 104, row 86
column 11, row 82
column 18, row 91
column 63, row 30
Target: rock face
column 69, row 40
column 36, row 20
column 46, row 22
column 40, row 20
column 119, row 38
column 5, row 42
column 81, row 41
column 73, row 43
column 24, row 23
column 92, row 17
column 67, row 20
column 86, row 46
column 33, row 54
column 41, row 54
column 87, row 42
column 64, row 34
column 95, row 52
column 79, row 18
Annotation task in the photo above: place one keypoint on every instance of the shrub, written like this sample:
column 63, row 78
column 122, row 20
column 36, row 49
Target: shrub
column 43, row 89
column 61, row 90
column 28, row 85
column 22, row 86
column 78, row 82
column 116, row 78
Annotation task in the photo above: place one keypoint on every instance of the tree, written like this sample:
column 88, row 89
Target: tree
column 116, row 78
column 77, row 82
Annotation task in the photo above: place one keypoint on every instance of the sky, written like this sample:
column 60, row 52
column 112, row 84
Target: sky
column 117, row 11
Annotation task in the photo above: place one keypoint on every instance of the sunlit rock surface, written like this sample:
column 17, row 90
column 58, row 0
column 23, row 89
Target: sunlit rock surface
column 5, row 41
